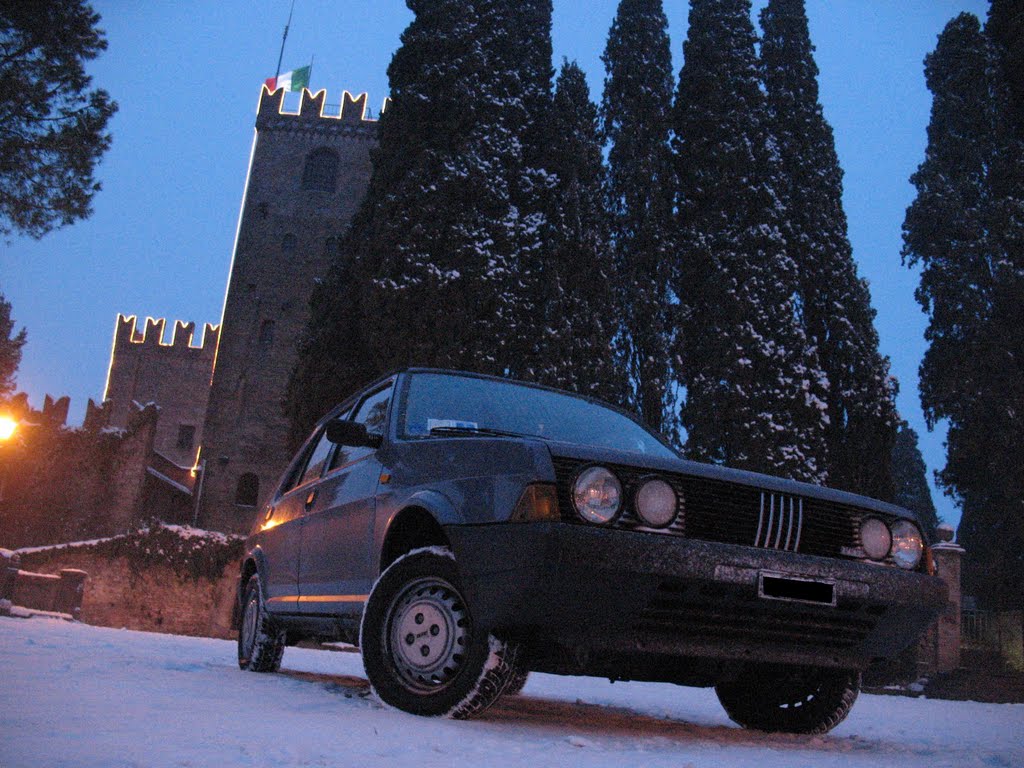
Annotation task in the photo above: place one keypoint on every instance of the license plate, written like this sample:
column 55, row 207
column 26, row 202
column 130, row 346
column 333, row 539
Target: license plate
column 796, row 589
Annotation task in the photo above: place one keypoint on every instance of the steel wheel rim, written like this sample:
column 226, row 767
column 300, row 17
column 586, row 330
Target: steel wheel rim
column 249, row 626
column 427, row 633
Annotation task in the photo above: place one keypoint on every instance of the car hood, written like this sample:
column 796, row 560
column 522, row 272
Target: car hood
column 757, row 480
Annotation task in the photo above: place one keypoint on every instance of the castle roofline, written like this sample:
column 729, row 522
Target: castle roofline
column 313, row 107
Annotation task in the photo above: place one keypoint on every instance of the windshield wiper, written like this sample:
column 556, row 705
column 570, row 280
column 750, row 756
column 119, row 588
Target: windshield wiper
column 486, row 431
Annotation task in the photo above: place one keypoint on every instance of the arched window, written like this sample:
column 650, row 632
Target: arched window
column 331, row 246
column 248, row 490
column 288, row 243
column 321, row 171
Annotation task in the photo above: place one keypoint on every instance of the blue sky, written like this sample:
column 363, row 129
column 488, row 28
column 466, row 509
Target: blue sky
column 187, row 75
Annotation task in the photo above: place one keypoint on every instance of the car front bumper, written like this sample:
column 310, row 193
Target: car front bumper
column 611, row 591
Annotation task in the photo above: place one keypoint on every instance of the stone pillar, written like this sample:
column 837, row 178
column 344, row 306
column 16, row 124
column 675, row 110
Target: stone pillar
column 9, row 565
column 70, row 592
column 948, row 556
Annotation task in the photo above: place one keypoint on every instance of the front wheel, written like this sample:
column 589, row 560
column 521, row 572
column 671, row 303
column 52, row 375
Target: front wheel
column 421, row 649
column 790, row 700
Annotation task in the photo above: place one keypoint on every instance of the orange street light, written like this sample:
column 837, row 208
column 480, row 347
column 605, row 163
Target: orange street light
column 7, row 428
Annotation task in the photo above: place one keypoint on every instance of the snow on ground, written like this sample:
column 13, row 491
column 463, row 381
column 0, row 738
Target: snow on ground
column 81, row 696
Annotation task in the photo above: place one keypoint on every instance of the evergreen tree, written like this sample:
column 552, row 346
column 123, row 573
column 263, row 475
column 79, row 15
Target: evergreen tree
column 635, row 119
column 10, row 349
column 910, row 477
column 754, row 391
column 446, row 228
column 53, row 128
column 578, row 303
column 836, row 305
column 963, row 228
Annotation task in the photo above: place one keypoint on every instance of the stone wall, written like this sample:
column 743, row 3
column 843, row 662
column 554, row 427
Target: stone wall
column 167, row 579
column 70, row 484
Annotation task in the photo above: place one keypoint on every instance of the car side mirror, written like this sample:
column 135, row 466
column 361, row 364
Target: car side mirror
column 351, row 433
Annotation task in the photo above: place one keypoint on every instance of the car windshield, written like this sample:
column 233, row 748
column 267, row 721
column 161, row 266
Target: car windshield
column 445, row 404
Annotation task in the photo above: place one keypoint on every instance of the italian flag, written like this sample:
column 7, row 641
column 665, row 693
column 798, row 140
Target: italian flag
column 295, row 80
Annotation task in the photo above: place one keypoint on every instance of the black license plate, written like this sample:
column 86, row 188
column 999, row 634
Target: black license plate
column 796, row 589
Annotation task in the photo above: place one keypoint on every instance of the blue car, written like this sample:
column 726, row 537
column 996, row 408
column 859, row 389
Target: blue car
column 464, row 530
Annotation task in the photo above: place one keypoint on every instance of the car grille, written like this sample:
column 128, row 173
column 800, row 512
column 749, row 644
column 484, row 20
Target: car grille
column 702, row 613
column 731, row 513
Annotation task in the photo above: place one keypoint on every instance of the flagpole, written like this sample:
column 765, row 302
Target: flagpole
column 284, row 37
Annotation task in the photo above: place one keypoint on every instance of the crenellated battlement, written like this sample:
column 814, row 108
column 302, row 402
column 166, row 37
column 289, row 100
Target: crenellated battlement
column 152, row 334
column 313, row 106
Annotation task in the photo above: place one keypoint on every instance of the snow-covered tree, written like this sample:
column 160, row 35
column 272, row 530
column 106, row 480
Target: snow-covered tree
column 448, row 232
column 835, row 302
column 910, row 478
column 755, row 395
column 965, row 229
column 635, row 119
column 579, row 350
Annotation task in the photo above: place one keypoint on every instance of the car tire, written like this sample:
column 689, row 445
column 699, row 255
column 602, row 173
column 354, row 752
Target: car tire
column 517, row 682
column 422, row 652
column 260, row 642
column 790, row 700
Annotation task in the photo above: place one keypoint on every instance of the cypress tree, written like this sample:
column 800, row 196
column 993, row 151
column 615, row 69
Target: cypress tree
column 755, row 397
column 635, row 121
column 963, row 228
column 444, row 232
column 836, row 305
column 910, row 478
column 579, row 350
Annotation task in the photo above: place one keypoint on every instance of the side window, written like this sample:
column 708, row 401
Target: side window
column 317, row 459
column 373, row 412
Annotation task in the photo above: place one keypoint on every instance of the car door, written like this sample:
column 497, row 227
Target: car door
column 336, row 567
column 280, row 529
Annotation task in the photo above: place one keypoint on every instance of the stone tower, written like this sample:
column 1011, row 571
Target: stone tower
column 175, row 376
column 307, row 175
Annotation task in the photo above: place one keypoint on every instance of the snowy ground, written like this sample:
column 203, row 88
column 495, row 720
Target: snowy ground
column 75, row 695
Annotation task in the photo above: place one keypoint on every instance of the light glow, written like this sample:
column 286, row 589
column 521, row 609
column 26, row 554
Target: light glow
column 8, row 427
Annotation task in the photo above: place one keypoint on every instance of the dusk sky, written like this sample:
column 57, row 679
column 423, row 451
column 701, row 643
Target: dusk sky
column 187, row 77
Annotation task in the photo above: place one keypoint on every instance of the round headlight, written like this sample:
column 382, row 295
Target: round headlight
column 597, row 495
column 875, row 538
column 907, row 544
column 656, row 503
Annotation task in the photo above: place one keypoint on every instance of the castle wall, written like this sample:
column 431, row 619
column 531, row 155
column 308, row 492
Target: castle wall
column 286, row 231
column 176, row 376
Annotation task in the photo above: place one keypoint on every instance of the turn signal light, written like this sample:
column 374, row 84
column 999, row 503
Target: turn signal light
column 539, row 502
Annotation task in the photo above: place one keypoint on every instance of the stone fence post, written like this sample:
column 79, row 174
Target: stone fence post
column 70, row 592
column 948, row 556
column 10, row 562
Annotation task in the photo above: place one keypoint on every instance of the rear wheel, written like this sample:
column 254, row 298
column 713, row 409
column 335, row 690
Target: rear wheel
column 790, row 700
column 421, row 649
column 260, row 642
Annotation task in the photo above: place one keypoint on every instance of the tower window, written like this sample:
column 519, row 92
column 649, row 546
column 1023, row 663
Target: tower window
column 266, row 333
column 321, row 171
column 288, row 243
column 248, row 490
column 186, row 437
column 331, row 246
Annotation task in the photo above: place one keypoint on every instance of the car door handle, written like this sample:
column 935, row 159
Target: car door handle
column 311, row 498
